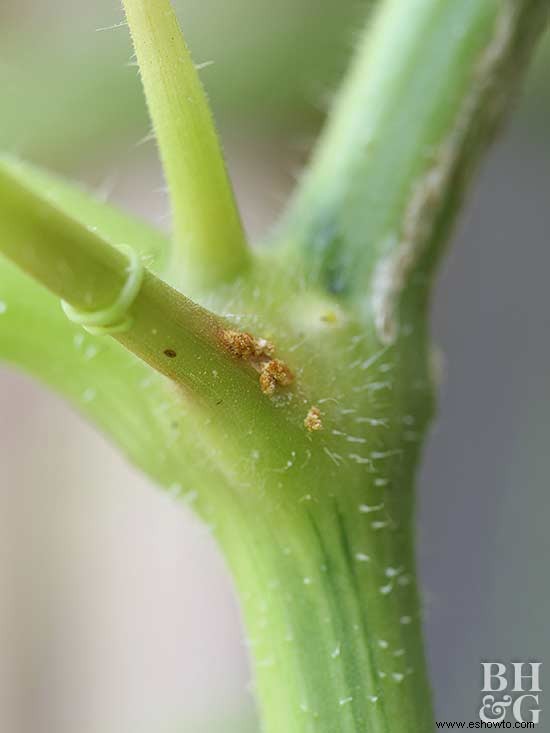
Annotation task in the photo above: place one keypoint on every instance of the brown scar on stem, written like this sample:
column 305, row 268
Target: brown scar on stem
column 244, row 346
column 274, row 373
column 258, row 352
column 313, row 420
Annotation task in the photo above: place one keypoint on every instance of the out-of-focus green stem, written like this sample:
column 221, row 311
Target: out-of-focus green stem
column 429, row 83
column 108, row 222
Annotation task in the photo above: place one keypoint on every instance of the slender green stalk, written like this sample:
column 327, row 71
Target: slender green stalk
column 133, row 405
column 209, row 243
column 80, row 267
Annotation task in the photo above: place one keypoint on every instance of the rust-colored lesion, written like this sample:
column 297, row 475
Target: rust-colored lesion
column 259, row 353
column 313, row 420
column 245, row 346
column 274, row 373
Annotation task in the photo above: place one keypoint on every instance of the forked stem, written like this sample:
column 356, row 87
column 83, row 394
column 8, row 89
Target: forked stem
column 317, row 526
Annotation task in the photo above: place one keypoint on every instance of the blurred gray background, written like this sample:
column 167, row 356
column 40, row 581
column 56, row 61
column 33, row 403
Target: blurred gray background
column 116, row 611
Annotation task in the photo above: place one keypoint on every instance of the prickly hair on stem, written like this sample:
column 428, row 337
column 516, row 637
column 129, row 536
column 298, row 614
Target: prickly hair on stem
column 209, row 245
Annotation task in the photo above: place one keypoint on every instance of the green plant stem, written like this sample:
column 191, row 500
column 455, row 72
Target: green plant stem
column 79, row 266
column 318, row 573
column 309, row 563
column 209, row 242
column 316, row 527
column 336, row 642
column 428, row 86
column 172, row 334
column 102, row 219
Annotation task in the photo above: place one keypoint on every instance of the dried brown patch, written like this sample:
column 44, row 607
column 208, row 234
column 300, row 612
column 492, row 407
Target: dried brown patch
column 240, row 344
column 275, row 372
column 258, row 352
column 244, row 346
column 264, row 348
column 313, row 420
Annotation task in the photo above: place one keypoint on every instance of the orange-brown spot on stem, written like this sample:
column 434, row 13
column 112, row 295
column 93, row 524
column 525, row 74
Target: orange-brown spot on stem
column 313, row 421
column 240, row 344
column 274, row 373
column 245, row 346
column 258, row 352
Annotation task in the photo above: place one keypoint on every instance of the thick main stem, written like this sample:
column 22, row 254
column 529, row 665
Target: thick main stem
column 337, row 642
column 326, row 571
column 428, row 87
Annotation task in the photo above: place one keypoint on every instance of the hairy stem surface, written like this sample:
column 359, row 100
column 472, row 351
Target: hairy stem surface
column 209, row 243
column 307, row 486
